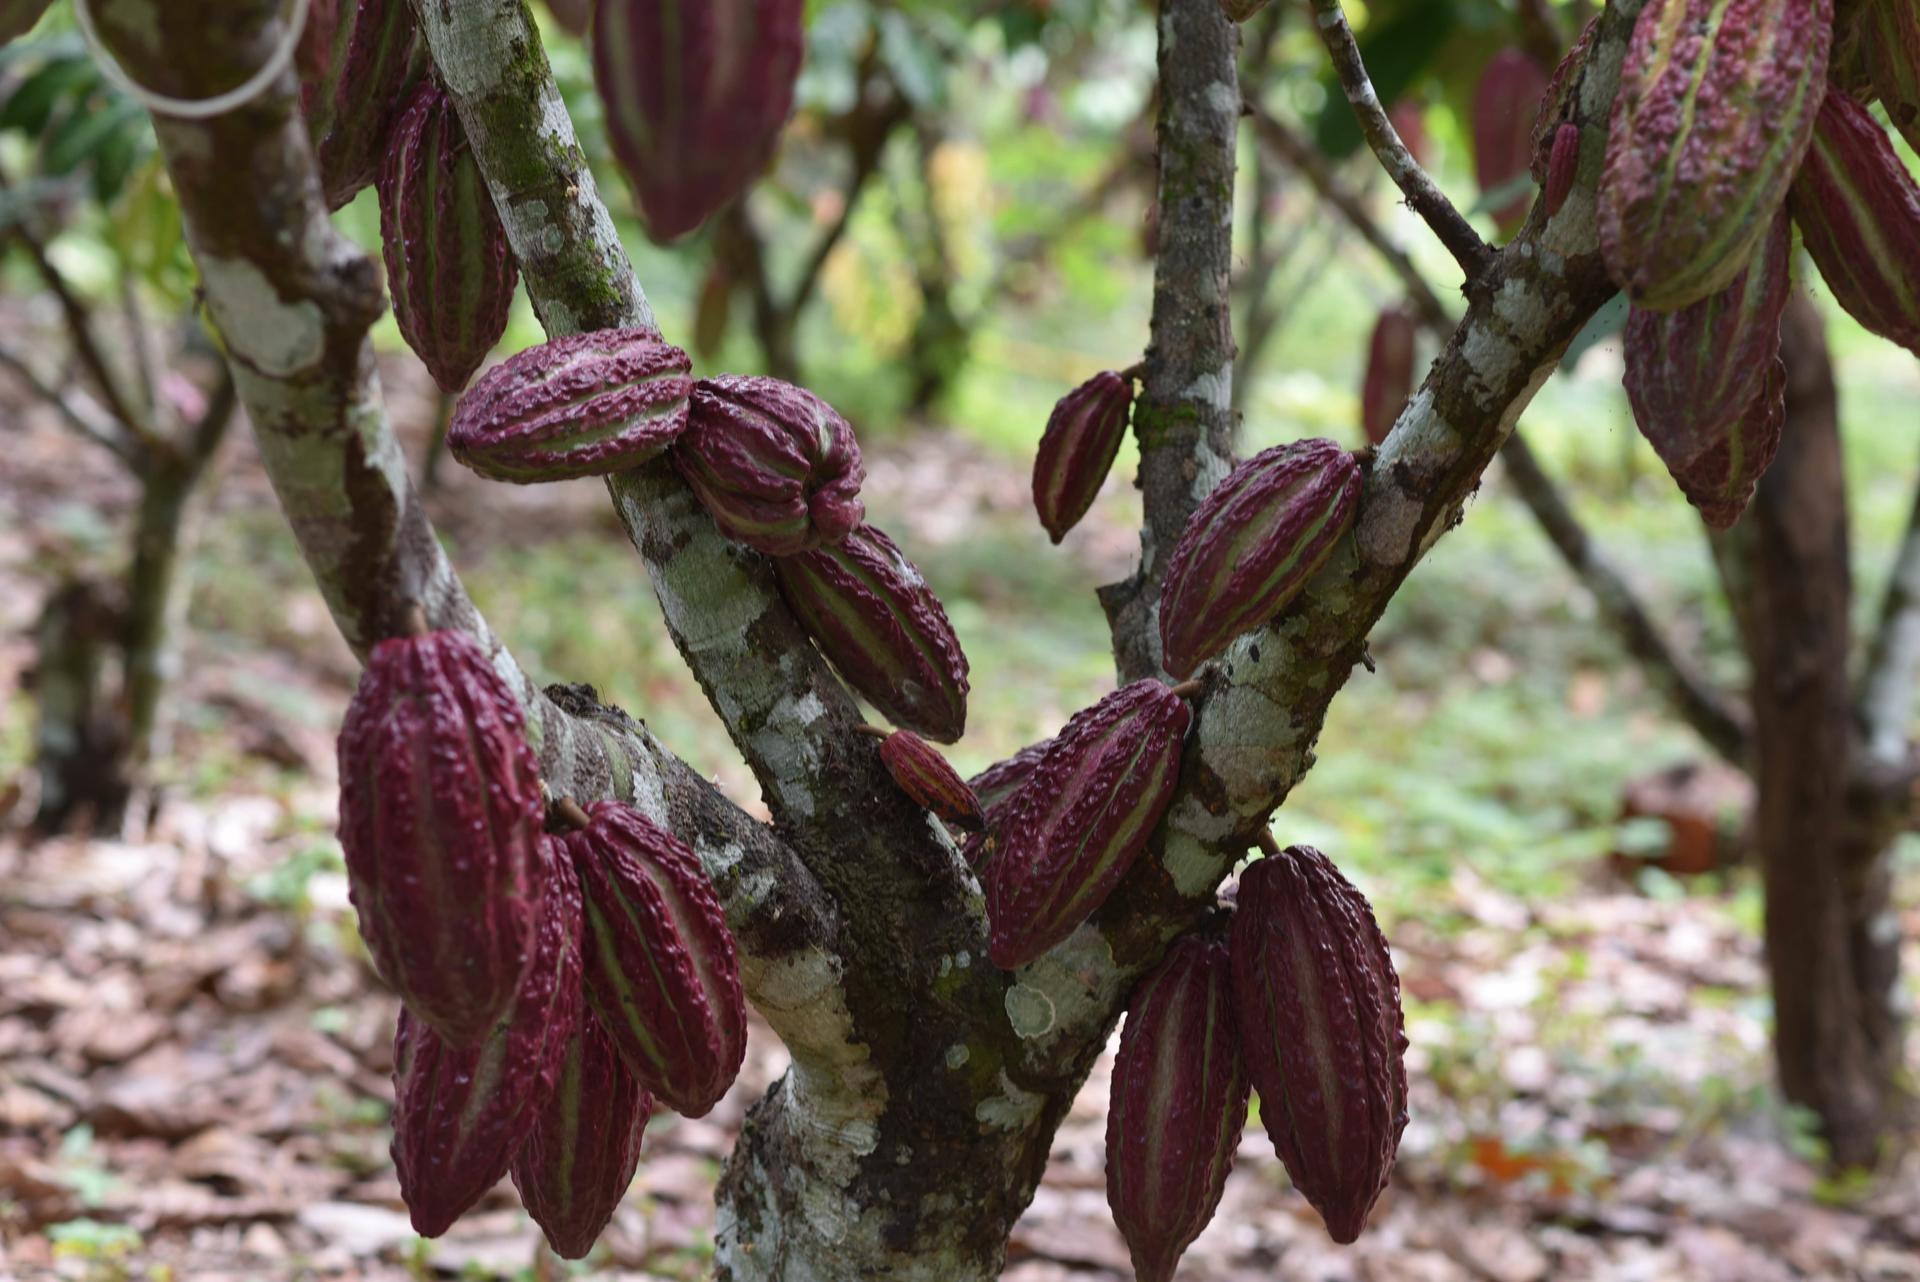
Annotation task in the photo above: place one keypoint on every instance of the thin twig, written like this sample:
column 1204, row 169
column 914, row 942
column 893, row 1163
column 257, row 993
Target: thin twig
column 86, row 419
column 139, row 342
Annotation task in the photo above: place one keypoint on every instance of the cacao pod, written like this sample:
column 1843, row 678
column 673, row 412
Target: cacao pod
column 1715, row 110
column 1721, row 481
column 1505, row 104
column 17, row 17
column 924, row 775
column 580, row 1156
column 776, row 467
column 1563, row 166
column 1693, row 374
column 1557, row 102
column 460, row 1115
column 1889, row 45
column 1318, row 1007
column 582, row 405
column 1077, row 450
column 1859, row 216
column 360, row 61
column 1002, row 779
column 1072, row 831
column 440, row 818
column 876, row 620
column 662, row 974
column 1178, row 1106
column 696, row 92
column 1389, row 376
column 449, row 268
column 574, row 16
column 1252, row 545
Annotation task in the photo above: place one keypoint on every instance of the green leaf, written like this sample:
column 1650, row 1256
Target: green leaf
column 81, row 136
column 29, row 107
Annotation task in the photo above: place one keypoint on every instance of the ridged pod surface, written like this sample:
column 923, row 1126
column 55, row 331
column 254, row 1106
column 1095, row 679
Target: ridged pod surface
column 1859, row 216
column 1077, row 450
column 1716, row 107
column 1888, row 35
column 696, row 92
column 777, row 468
column 882, row 628
column 1389, row 376
column 1721, row 481
column 460, row 1116
column 1318, row 1007
column 440, row 818
column 579, row 1159
column 18, row 16
column 1002, row 779
column 1085, row 813
column 1692, row 375
column 583, row 405
column 1252, row 544
column 1178, row 1105
column 449, row 268
column 662, row 973
column 925, row 776
column 1505, row 105
column 359, row 63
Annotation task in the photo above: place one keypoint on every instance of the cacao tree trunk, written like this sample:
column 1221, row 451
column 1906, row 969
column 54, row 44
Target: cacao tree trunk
column 80, row 747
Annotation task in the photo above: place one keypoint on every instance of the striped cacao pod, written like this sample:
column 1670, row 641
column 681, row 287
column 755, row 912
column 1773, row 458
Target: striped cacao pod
column 1693, row 375
column 449, row 268
column 696, row 92
column 1002, row 779
column 662, row 974
column 1888, row 39
column 579, row 1159
column 1178, row 1106
column 1074, row 828
column 440, row 818
column 1721, row 481
column 1716, row 107
column 924, row 775
column 360, row 61
column 1318, row 1007
column 18, row 16
column 1252, row 545
column 1505, row 105
column 1563, row 166
column 460, row 1115
column 777, row 468
column 1077, row 450
column 1859, row 216
column 876, row 620
column 1389, row 377
column 583, row 405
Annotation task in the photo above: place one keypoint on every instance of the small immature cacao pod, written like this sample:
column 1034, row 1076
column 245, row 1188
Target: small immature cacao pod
column 1178, row 1106
column 460, row 1115
column 1505, row 103
column 1077, row 450
column 1693, row 374
column 1859, row 216
column 1252, row 545
column 1563, row 166
column 1072, row 831
column 924, row 775
column 359, row 60
column 696, row 92
column 579, row 1159
column 1888, row 38
column 1557, row 104
column 662, row 973
column 18, row 16
column 1716, row 107
column 1721, row 481
column 875, row 619
column 449, row 268
column 440, row 818
column 1318, row 1007
column 1389, row 377
column 777, row 468
column 584, row 405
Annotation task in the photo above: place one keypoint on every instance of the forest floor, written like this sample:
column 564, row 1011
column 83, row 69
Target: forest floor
column 194, row 1054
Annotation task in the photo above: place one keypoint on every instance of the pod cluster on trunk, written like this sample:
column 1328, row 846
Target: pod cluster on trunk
column 359, row 61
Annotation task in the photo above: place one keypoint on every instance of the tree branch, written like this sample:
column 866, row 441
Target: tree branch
column 85, row 418
column 1883, row 703
column 868, row 132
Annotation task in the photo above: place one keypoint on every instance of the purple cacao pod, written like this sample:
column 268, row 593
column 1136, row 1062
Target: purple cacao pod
column 1692, row 375
column 876, row 620
column 18, row 16
column 580, row 1156
column 1178, row 1106
column 460, row 1115
column 1389, row 377
column 1716, row 107
column 1721, row 481
column 924, row 775
column 696, row 92
column 1563, row 166
column 1505, row 104
column 776, row 467
column 440, row 818
column 1072, row 831
column 1318, row 1007
column 1887, row 35
column 449, row 268
column 1557, row 104
column 1077, row 450
column 1003, row 778
column 359, row 63
column 662, row 974
column 1252, row 545
column 1859, row 216
column 583, row 405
